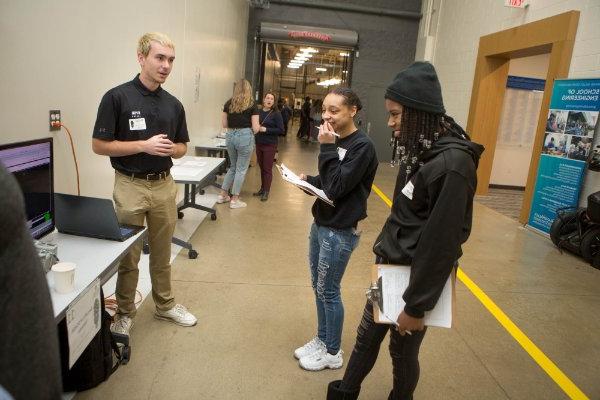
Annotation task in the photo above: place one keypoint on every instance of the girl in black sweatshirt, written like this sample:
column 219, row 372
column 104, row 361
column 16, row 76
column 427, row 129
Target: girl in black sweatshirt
column 347, row 166
column 430, row 219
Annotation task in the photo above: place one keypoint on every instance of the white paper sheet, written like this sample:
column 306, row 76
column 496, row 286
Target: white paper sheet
column 288, row 175
column 83, row 321
column 182, row 171
column 192, row 163
column 394, row 280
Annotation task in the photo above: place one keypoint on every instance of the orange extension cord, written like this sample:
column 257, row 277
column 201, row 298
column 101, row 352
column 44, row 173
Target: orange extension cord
column 74, row 156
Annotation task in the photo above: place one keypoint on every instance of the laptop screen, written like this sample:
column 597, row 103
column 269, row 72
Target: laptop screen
column 31, row 164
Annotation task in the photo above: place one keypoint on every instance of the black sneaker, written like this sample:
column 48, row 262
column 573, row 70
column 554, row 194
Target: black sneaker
column 264, row 196
column 259, row 193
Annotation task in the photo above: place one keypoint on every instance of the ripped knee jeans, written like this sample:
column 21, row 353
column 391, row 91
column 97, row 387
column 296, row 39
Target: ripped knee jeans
column 329, row 252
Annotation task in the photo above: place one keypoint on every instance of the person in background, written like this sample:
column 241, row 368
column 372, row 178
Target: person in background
column 304, row 130
column 315, row 120
column 347, row 167
column 140, row 147
column 271, row 126
column 286, row 113
column 29, row 348
column 240, row 118
column 429, row 221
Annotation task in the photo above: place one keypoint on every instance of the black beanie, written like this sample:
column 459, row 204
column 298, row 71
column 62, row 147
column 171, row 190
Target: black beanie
column 417, row 87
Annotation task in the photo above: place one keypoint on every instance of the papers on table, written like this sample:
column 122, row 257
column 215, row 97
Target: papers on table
column 392, row 281
column 189, row 163
column 181, row 171
column 288, row 175
column 187, row 168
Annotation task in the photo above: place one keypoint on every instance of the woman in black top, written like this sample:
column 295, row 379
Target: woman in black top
column 240, row 118
column 347, row 166
column 271, row 126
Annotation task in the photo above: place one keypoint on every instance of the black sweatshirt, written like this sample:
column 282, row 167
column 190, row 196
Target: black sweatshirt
column 346, row 173
column 430, row 220
column 273, row 121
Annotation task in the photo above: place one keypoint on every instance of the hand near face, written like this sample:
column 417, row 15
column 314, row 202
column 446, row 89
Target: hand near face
column 326, row 133
column 159, row 145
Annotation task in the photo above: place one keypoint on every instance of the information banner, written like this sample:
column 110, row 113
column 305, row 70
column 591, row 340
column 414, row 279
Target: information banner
column 570, row 126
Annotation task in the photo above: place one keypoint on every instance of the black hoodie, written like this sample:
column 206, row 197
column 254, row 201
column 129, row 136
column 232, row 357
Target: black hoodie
column 430, row 220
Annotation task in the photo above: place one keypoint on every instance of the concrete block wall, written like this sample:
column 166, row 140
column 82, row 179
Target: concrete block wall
column 463, row 22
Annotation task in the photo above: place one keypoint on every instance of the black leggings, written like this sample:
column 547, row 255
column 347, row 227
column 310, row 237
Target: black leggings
column 404, row 351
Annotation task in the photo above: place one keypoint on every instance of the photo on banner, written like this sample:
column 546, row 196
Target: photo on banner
column 568, row 144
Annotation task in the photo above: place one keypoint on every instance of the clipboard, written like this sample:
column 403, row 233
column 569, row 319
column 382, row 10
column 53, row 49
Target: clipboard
column 388, row 306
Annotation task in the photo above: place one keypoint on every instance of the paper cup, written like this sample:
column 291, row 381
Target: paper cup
column 64, row 277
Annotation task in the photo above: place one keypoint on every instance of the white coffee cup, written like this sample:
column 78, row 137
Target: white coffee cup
column 64, row 277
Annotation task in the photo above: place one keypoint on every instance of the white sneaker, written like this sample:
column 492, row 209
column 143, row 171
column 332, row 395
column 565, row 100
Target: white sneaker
column 309, row 348
column 237, row 204
column 223, row 199
column 178, row 315
column 321, row 359
column 122, row 325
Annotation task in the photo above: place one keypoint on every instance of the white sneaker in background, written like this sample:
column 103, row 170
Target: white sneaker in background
column 309, row 348
column 321, row 359
column 223, row 199
column 178, row 315
column 122, row 325
column 237, row 204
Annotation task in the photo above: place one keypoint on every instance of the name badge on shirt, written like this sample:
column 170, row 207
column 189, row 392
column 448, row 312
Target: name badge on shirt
column 137, row 124
column 408, row 190
column 341, row 153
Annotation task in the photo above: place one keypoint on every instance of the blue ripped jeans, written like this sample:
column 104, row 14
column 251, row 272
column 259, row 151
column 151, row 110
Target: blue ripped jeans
column 329, row 253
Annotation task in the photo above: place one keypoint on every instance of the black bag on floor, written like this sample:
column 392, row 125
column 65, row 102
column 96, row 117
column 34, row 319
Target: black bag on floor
column 98, row 361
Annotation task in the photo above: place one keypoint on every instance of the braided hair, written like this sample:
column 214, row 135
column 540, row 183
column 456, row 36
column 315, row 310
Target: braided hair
column 419, row 130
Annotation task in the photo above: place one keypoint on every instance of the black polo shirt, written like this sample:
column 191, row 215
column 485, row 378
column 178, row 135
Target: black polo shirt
column 132, row 112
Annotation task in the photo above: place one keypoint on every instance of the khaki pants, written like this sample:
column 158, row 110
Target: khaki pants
column 137, row 200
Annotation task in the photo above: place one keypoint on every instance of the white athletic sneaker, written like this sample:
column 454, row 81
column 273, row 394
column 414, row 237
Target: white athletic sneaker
column 122, row 325
column 309, row 348
column 223, row 199
column 321, row 359
column 237, row 204
column 178, row 315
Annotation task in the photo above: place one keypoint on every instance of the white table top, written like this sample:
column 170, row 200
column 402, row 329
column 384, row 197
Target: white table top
column 193, row 170
column 95, row 258
column 210, row 143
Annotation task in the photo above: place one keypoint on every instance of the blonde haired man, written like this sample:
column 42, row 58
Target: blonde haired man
column 141, row 127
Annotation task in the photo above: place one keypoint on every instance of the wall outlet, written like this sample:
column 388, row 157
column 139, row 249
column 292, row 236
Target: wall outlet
column 54, row 120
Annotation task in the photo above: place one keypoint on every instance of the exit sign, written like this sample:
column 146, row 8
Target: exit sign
column 516, row 3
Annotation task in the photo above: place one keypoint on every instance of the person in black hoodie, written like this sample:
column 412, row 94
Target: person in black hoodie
column 429, row 221
column 347, row 168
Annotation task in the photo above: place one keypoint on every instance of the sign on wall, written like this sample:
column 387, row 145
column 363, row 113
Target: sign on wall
column 516, row 3
column 570, row 126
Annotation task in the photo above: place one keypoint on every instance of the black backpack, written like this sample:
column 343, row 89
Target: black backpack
column 98, row 361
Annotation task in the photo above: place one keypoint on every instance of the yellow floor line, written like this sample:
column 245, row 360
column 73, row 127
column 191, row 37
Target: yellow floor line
column 539, row 357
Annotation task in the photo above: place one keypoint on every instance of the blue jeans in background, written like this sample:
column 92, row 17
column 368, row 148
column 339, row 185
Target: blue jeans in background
column 240, row 144
column 329, row 253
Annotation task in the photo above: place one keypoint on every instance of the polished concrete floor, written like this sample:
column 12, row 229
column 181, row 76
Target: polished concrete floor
column 250, row 290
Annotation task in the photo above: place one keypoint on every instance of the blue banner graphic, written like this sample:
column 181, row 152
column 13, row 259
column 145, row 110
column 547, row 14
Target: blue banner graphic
column 570, row 126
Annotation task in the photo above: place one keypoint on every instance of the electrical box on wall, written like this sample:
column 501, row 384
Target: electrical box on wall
column 54, row 120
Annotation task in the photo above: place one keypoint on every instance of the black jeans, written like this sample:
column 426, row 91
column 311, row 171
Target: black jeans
column 404, row 351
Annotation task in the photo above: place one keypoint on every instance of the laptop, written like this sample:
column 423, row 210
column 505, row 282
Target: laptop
column 90, row 217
